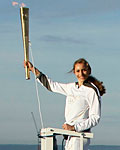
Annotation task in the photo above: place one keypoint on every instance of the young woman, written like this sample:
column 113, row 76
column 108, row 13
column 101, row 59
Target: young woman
column 83, row 100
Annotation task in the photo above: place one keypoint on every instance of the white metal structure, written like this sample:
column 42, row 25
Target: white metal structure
column 48, row 137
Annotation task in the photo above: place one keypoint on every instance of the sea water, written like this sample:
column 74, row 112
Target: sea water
column 35, row 147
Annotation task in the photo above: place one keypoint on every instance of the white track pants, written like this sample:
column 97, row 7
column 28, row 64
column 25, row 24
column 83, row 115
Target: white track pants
column 73, row 143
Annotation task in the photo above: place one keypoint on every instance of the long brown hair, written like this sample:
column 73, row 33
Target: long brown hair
column 90, row 78
column 98, row 84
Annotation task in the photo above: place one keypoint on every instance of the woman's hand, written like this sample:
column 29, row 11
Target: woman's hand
column 29, row 65
column 31, row 68
column 68, row 127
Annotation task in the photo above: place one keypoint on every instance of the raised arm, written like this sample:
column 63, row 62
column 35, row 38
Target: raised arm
column 47, row 82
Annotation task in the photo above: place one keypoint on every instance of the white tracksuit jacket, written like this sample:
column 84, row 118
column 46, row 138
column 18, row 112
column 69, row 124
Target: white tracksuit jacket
column 83, row 106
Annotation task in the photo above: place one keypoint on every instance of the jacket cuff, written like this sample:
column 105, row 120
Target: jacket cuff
column 76, row 128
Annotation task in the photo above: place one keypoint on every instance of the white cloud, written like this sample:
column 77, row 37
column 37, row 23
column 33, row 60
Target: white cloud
column 52, row 38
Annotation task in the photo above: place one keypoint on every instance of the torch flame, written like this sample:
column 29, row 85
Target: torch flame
column 23, row 5
column 16, row 4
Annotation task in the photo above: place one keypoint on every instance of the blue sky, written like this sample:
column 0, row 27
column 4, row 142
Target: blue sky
column 60, row 32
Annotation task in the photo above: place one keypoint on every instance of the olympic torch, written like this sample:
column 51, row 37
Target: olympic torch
column 24, row 14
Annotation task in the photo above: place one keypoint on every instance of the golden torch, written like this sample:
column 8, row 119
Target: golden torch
column 24, row 14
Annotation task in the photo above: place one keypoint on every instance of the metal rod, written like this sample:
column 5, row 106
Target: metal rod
column 35, row 122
